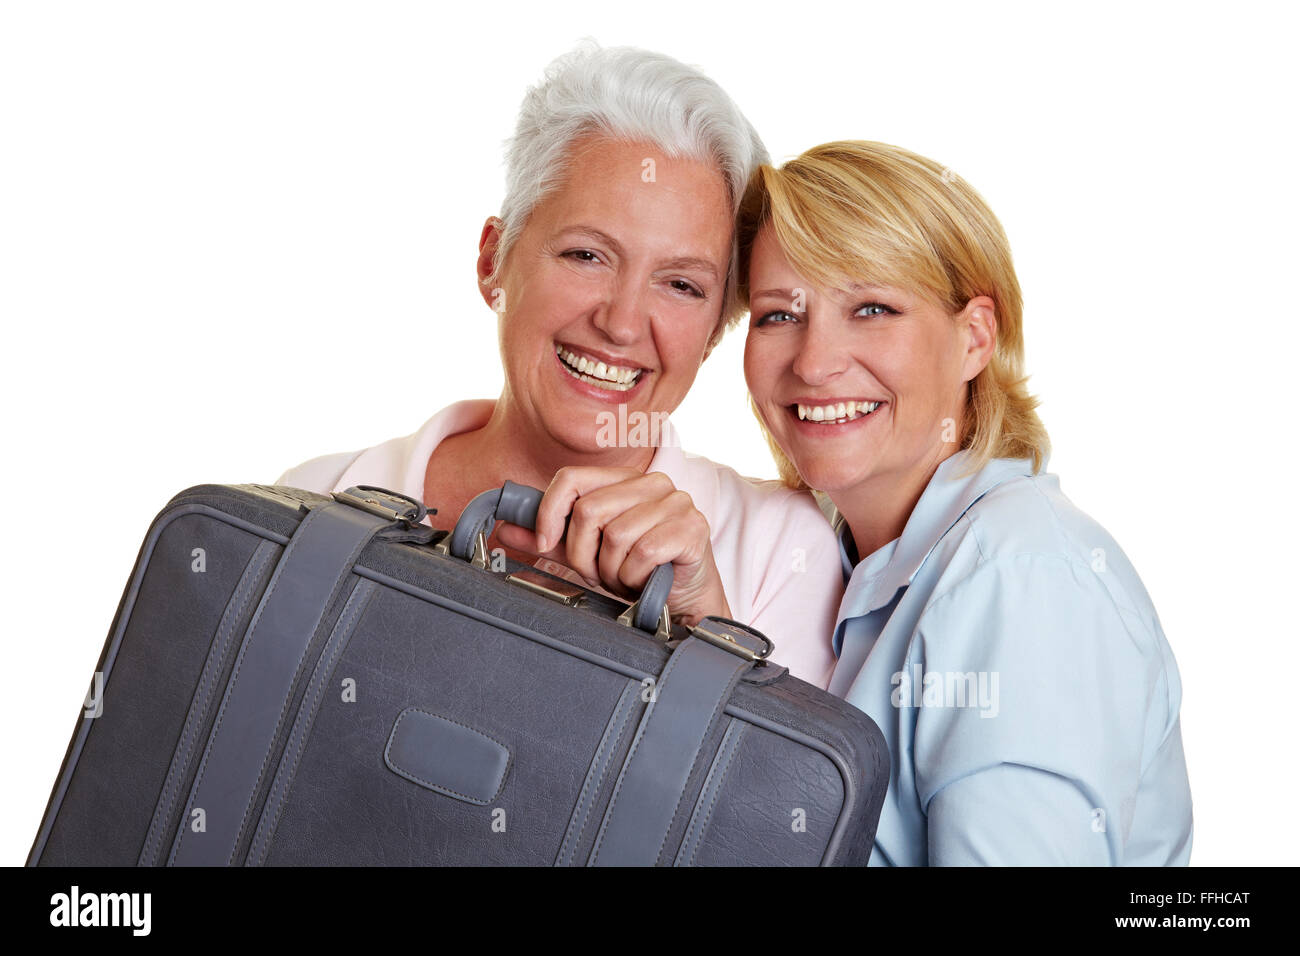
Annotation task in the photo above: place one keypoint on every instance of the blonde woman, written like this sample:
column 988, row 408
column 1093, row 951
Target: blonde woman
column 996, row 633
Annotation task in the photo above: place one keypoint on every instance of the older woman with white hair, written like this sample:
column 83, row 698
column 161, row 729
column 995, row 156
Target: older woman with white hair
column 612, row 267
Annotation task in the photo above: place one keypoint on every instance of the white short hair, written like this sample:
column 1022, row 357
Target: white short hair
column 631, row 95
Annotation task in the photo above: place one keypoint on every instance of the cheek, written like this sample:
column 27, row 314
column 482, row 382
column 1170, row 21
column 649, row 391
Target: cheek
column 681, row 334
column 924, row 399
column 552, row 296
column 916, row 368
column 760, row 367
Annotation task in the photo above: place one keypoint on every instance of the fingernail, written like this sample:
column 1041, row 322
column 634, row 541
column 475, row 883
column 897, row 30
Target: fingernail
column 542, row 543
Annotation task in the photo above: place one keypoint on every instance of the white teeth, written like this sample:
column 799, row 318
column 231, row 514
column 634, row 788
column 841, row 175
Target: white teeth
column 838, row 413
column 589, row 370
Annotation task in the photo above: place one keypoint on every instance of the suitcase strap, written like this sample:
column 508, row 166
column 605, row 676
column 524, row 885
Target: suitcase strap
column 311, row 571
column 686, row 706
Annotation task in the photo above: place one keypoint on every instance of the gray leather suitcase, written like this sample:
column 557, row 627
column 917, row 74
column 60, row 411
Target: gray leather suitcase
column 294, row 679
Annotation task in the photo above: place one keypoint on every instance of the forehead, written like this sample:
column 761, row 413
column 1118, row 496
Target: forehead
column 635, row 188
column 772, row 275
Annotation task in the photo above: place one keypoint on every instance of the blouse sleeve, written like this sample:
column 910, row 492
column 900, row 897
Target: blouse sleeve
column 1045, row 705
column 800, row 584
column 319, row 474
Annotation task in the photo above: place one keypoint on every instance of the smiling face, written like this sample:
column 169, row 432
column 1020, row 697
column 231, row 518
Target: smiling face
column 863, row 389
column 611, row 291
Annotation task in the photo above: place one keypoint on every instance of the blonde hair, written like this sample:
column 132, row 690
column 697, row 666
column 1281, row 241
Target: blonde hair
column 862, row 212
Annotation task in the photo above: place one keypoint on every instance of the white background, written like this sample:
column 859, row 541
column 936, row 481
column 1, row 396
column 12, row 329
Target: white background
column 234, row 236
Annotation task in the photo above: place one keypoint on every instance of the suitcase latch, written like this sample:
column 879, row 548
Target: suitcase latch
column 383, row 503
column 739, row 639
column 547, row 587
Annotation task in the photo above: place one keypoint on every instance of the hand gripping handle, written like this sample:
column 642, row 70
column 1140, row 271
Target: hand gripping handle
column 518, row 504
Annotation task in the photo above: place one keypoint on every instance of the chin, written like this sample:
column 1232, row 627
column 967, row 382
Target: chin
column 829, row 473
column 829, row 480
column 576, row 435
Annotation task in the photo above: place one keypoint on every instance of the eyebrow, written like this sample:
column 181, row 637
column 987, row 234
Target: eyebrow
column 856, row 288
column 693, row 262
column 679, row 262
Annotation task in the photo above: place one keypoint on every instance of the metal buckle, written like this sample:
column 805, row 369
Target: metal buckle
column 728, row 643
column 372, row 505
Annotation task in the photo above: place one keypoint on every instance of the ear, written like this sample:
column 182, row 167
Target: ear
column 488, row 243
column 979, row 322
column 719, row 331
column 708, row 349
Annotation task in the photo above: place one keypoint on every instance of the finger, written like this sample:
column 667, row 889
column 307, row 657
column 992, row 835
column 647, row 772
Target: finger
column 593, row 511
column 697, row 589
column 521, row 539
column 569, row 484
column 629, row 531
column 682, row 541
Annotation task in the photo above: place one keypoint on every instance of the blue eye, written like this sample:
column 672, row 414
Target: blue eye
column 869, row 309
column 778, row 317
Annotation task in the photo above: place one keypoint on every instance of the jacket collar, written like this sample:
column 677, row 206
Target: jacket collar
column 873, row 581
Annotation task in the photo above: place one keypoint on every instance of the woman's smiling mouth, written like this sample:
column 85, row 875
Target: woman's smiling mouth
column 833, row 413
column 592, row 371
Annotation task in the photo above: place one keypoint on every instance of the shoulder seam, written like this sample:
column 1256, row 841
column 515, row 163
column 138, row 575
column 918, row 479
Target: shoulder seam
column 1067, row 560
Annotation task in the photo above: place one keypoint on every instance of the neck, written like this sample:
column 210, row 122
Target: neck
column 506, row 448
column 877, row 509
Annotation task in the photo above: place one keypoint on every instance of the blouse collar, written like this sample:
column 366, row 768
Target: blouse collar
column 872, row 582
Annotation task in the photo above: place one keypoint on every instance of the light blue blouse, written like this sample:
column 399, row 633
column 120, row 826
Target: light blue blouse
column 1015, row 664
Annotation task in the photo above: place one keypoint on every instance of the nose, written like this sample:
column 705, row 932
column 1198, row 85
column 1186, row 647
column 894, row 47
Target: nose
column 820, row 356
column 622, row 314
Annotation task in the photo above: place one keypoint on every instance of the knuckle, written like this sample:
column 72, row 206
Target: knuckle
column 583, row 511
column 647, row 550
column 616, row 538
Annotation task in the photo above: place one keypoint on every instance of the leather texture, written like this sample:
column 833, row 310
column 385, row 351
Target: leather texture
column 302, row 724
column 602, row 763
column 198, row 721
column 686, row 704
column 703, row 812
column 766, row 768
column 310, row 571
column 446, row 756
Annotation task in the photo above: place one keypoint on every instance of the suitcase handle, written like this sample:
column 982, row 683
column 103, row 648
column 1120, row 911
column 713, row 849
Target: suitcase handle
column 518, row 504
